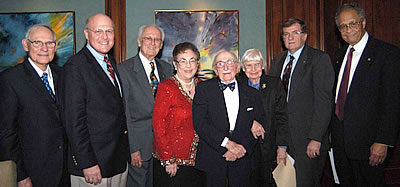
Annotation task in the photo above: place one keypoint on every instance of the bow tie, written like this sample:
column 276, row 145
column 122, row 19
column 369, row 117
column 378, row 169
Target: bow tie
column 223, row 86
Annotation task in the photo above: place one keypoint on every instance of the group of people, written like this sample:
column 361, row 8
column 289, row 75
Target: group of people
column 146, row 123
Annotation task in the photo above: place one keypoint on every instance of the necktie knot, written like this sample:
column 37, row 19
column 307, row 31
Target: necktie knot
column 223, row 86
column 45, row 77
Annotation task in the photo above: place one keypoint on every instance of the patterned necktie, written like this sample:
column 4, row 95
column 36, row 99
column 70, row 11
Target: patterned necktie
column 286, row 74
column 45, row 80
column 110, row 70
column 223, row 86
column 154, row 81
column 341, row 98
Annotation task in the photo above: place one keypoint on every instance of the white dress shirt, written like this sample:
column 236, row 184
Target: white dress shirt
column 147, row 67
column 232, row 107
column 40, row 73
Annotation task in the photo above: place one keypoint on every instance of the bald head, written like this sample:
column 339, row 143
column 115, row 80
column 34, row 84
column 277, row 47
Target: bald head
column 99, row 33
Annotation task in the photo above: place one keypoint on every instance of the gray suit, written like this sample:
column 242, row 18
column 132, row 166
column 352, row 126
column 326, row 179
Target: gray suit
column 139, row 102
column 309, row 110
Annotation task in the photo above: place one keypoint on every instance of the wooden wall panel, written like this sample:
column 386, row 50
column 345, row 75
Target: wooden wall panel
column 117, row 11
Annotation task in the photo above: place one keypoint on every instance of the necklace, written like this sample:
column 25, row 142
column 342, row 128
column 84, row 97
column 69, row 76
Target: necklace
column 182, row 82
column 189, row 91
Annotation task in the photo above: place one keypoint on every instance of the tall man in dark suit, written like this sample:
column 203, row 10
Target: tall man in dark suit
column 94, row 112
column 140, row 76
column 223, row 113
column 308, row 77
column 365, row 121
column 33, row 135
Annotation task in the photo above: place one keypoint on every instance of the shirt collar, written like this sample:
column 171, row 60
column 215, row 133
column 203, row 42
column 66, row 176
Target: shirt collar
column 296, row 54
column 361, row 44
column 256, row 86
column 97, row 56
column 38, row 70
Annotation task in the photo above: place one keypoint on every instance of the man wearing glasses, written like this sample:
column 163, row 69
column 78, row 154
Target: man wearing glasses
column 223, row 114
column 307, row 76
column 365, row 121
column 140, row 76
column 31, row 128
column 93, row 110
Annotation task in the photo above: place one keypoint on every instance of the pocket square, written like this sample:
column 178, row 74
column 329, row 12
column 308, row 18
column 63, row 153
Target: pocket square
column 249, row 109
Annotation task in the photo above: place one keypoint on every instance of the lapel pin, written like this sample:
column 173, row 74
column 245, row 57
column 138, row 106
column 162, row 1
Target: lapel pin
column 264, row 85
column 369, row 59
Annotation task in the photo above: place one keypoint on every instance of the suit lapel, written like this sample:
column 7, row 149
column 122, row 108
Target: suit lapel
column 142, row 79
column 243, row 100
column 219, row 101
column 298, row 72
column 160, row 69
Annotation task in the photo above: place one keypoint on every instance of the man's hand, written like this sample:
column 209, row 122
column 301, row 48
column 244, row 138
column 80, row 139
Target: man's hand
column 25, row 183
column 257, row 130
column 92, row 175
column 313, row 148
column 171, row 169
column 136, row 159
column 281, row 156
column 237, row 149
column 378, row 154
column 229, row 156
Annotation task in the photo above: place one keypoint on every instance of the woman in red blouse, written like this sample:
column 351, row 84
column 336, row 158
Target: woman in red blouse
column 174, row 140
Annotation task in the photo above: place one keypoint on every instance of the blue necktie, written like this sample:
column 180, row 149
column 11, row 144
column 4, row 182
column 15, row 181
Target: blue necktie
column 47, row 85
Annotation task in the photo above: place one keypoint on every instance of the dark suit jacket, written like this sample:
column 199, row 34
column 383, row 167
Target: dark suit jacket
column 139, row 101
column 310, row 96
column 210, row 121
column 94, row 117
column 371, row 112
column 30, row 122
column 276, row 120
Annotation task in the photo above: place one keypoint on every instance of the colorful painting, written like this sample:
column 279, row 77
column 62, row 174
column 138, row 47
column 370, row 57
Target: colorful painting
column 13, row 27
column 210, row 31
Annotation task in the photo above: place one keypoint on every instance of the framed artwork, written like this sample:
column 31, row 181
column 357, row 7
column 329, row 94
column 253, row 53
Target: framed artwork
column 209, row 30
column 13, row 27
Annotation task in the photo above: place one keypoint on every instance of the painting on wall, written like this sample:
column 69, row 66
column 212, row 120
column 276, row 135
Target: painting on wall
column 13, row 27
column 209, row 30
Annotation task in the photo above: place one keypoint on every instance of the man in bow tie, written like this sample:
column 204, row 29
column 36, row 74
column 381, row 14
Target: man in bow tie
column 223, row 113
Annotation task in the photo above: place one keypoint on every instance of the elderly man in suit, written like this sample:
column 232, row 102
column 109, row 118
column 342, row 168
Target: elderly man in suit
column 308, row 77
column 94, row 112
column 33, row 135
column 365, row 122
column 223, row 114
column 140, row 76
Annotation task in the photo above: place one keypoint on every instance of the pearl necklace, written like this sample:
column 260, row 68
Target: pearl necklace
column 187, row 84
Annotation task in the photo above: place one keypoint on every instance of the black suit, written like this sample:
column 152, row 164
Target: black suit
column 94, row 117
column 276, row 126
column 371, row 111
column 210, row 120
column 31, row 125
column 309, row 110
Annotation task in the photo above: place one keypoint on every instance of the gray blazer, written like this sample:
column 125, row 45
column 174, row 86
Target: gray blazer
column 139, row 101
column 310, row 96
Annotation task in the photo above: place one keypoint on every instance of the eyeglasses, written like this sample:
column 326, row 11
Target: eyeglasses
column 149, row 40
column 294, row 34
column 38, row 43
column 351, row 25
column 98, row 32
column 184, row 62
column 221, row 64
column 249, row 66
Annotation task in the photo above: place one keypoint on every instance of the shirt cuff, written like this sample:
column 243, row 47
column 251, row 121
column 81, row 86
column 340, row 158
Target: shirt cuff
column 224, row 142
column 283, row 147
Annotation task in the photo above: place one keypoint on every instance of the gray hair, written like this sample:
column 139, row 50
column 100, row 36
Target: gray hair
column 253, row 55
column 223, row 51
column 36, row 26
column 353, row 6
column 141, row 29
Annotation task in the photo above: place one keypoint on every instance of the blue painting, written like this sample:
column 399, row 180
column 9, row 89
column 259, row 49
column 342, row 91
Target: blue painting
column 13, row 27
column 210, row 31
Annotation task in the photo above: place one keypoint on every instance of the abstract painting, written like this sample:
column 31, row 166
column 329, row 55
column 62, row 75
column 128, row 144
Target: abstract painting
column 209, row 30
column 13, row 27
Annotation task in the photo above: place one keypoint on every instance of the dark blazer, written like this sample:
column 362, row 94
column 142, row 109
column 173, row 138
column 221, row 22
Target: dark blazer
column 310, row 96
column 94, row 117
column 371, row 112
column 210, row 121
column 139, row 101
column 30, row 122
column 276, row 120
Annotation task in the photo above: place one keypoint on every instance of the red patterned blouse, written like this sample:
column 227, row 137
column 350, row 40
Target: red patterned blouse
column 174, row 140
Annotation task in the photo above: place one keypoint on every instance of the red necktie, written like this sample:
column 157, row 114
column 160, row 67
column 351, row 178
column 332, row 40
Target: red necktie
column 341, row 98
column 286, row 74
column 110, row 70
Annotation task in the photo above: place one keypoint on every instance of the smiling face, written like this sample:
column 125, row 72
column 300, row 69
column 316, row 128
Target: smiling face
column 226, row 73
column 294, row 41
column 102, row 42
column 43, row 55
column 187, row 70
column 150, row 42
column 253, row 69
column 352, row 35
